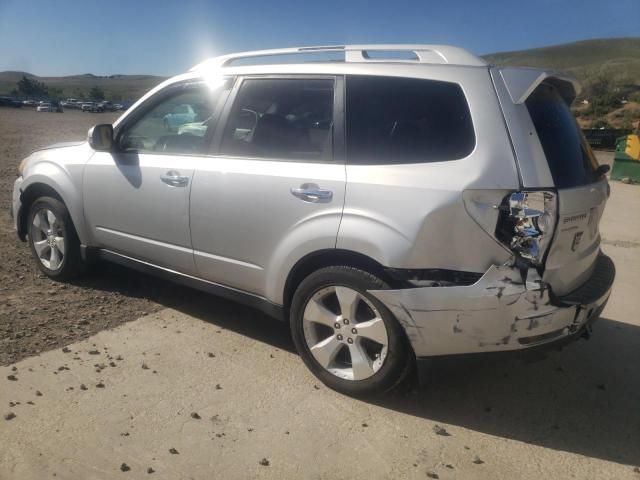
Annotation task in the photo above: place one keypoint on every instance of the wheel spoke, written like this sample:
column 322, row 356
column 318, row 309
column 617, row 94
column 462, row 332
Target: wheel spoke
column 326, row 350
column 53, row 221
column 40, row 222
column 348, row 300
column 40, row 247
column 54, row 259
column 318, row 313
column 374, row 330
column 360, row 363
column 60, row 244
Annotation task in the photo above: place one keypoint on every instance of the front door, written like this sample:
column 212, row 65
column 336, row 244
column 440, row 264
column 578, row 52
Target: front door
column 137, row 198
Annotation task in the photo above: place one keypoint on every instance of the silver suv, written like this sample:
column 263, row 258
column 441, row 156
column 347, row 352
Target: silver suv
column 409, row 201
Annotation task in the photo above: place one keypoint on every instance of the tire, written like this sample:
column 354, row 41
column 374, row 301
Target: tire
column 387, row 365
column 53, row 239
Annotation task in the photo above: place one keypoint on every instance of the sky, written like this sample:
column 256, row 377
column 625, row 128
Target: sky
column 66, row 37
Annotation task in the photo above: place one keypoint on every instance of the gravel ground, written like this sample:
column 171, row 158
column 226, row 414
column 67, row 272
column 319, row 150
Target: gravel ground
column 38, row 314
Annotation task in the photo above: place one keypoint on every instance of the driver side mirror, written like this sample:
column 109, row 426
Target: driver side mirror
column 101, row 137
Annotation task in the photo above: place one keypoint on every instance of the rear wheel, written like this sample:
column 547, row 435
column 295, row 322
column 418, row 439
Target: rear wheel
column 346, row 336
column 53, row 239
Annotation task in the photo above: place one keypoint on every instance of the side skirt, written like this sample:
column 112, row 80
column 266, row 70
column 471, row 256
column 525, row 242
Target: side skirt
column 249, row 299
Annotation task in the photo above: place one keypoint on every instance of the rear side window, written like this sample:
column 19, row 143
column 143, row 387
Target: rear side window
column 404, row 120
column 570, row 158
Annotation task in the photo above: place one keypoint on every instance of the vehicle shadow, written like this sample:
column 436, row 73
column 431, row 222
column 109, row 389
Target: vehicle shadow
column 584, row 399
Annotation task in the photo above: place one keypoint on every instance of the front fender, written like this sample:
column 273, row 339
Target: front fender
column 61, row 181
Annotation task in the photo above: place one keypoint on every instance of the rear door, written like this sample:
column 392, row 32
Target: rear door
column 274, row 191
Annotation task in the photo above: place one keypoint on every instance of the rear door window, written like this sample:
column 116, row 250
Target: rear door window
column 405, row 120
column 570, row 158
column 281, row 118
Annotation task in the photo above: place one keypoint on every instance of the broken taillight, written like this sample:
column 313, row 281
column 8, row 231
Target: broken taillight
column 526, row 223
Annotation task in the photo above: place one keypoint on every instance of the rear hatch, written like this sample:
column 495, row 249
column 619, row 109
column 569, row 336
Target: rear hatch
column 541, row 110
column 582, row 192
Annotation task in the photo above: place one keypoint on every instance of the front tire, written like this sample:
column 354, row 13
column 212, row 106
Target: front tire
column 347, row 337
column 53, row 239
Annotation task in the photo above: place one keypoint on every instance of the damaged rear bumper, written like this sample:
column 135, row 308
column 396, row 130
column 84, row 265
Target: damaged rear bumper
column 499, row 312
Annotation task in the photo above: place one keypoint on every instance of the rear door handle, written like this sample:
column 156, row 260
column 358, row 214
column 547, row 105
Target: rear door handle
column 174, row 179
column 312, row 193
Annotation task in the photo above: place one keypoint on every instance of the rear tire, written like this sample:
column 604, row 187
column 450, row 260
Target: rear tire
column 53, row 239
column 347, row 337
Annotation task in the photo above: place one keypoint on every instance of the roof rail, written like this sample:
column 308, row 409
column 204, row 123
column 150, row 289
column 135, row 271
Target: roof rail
column 438, row 54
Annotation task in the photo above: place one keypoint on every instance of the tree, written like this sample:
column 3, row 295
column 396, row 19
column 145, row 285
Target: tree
column 32, row 88
column 96, row 93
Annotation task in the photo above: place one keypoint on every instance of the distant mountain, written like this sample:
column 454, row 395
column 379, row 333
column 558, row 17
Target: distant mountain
column 617, row 58
column 119, row 87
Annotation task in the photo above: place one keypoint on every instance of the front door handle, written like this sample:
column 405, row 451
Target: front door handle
column 174, row 179
column 310, row 192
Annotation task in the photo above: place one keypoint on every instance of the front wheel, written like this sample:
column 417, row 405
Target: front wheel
column 347, row 337
column 53, row 240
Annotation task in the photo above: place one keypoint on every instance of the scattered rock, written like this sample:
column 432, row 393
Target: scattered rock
column 66, row 350
column 626, row 180
column 218, row 387
column 316, row 387
column 264, row 462
column 211, row 355
column 93, row 352
column 112, row 364
column 441, row 431
column 432, row 475
column 145, row 366
column 83, row 386
column 150, row 470
column 365, row 425
column 636, row 469
column 14, row 369
column 601, row 387
column 10, row 416
column 477, row 460
column 13, row 378
column 124, row 467
column 173, row 451
column 125, row 434
column 38, row 393
column 195, row 416
column 100, row 385
column 449, row 466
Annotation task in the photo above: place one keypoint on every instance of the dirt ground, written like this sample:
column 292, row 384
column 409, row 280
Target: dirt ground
column 210, row 389
column 37, row 314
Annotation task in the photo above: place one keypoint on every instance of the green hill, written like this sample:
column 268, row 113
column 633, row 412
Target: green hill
column 616, row 58
column 116, row 87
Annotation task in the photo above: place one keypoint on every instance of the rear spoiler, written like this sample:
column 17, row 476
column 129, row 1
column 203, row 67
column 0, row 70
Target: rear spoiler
column 521, row 82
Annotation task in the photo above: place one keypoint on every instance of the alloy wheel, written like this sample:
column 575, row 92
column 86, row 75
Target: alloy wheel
column 47, row 236
column 345, row 333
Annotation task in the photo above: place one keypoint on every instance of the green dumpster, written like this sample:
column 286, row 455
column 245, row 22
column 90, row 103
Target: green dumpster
column 626, row 163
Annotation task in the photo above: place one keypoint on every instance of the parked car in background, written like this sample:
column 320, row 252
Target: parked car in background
column 71, row 103
column 45, row 107
column 92, row 107
column 29, row 103
column 10, row 102
column 180, row 115
column 389, row 210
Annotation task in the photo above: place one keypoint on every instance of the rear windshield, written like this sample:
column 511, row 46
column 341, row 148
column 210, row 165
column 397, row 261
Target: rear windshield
column 571, row 160
column 393, row 120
